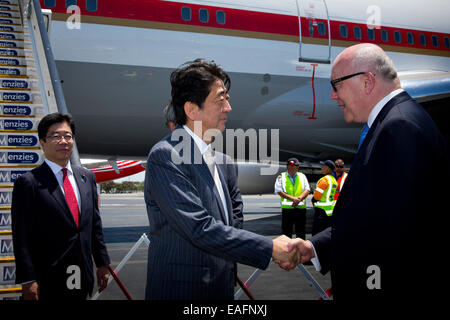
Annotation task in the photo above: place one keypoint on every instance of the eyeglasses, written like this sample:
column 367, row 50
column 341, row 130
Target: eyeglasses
column 58, row 137
column 333, row 82
column 339, row 166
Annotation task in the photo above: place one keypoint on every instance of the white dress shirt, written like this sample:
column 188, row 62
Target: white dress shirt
column 372, row 116
column 57, row 171
column 203, row 147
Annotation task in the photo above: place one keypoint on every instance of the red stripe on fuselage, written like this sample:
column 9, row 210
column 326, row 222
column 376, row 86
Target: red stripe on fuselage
column 246, row 20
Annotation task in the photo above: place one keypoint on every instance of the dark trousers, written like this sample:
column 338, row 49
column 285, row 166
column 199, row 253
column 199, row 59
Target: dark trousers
column 321, row 221
column 291, row 217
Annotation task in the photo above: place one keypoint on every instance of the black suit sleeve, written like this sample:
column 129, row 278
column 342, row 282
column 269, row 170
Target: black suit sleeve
column 322, row 245
column 235, row 195
column 22, row 228
column 99, row 251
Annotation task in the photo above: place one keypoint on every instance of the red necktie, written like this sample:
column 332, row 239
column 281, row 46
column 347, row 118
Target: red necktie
column 70, row 196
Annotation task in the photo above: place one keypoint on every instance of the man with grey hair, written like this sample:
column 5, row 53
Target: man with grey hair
column 376, row 238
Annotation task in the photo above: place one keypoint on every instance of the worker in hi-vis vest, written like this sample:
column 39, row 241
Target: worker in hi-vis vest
column 340, row 175
column 323, row 199
column 293, row 188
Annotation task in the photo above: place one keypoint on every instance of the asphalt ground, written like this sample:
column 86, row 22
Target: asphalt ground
column 125, row 220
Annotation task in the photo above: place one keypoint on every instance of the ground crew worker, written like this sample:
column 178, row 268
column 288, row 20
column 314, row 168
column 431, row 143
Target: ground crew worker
column 323, row 199
column 292, row 186
column 340, row 175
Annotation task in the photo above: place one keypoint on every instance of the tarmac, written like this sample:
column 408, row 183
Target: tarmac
column 124, row 218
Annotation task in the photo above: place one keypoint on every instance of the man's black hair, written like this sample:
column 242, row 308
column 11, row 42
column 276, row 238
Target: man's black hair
column 192, row 82
column 52, row 118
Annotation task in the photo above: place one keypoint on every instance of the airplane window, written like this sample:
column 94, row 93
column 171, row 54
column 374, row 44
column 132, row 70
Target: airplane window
column 357, row 32
column 186, row 13
column 397, row 36
column 435, row 41
column 410, row 38
column 50, row 3
column 71, row 3
column 220, row 17
column 447, row 42
column 343, row 30
column 423, row 39
column 385, row 35
column 91, row 5
column 371, row 34
column 321, row 28
column 203, row 15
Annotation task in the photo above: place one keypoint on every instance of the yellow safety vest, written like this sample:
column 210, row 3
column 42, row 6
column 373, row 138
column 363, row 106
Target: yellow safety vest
column 292, row 190
column 327, row 201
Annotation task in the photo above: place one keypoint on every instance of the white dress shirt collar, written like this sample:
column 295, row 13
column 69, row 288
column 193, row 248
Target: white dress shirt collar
column 56, row 168
column 376, row 110
column 202, row 145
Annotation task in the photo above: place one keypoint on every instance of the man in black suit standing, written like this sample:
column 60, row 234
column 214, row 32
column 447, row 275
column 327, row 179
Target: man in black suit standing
column 383, row 212
column 56, row 223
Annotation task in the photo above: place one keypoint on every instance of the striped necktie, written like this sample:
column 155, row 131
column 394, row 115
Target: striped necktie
column 70, row 197
column 364, row 131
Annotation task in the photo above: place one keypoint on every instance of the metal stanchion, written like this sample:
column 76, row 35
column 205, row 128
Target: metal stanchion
column 143, row 238
column 313, row 281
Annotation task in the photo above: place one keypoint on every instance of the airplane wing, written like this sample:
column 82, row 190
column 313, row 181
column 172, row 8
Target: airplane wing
column 426, row 86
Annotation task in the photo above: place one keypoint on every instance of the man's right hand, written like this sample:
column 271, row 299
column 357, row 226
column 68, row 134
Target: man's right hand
column 30, row 291
column 284, row 255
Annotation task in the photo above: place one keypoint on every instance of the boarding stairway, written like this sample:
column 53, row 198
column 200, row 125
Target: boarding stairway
column 26, row 95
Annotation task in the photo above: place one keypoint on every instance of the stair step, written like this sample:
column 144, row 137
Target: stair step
column 18, row 125
column 12, row 96
column 12, row 52
column 9, row 13
column 18, row 140
column 18, row 70
column 18, row 43
column 18, row 83
column 14, row 28
column 21, row 110
column 7, row 178
column 10, row 22
column 21, row 157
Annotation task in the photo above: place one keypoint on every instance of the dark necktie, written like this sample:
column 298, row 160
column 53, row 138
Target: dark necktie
column 70, row 196
column 363, row 135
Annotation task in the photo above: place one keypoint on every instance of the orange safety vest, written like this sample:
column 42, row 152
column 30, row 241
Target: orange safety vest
column 340, row 181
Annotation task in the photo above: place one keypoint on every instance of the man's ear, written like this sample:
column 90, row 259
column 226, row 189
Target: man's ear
column 191, row 110
column 369, row 82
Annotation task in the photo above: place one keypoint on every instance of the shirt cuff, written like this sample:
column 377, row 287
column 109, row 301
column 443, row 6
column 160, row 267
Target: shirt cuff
column 315, row 261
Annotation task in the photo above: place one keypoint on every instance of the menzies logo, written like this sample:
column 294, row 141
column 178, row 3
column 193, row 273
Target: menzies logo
column 10, row 176
column 13, row 124
column 15, row 96
column 5, row 198
column 5, row 220
column 18, row 141
column 9, row 274
column 6, row 247
column 19, row 157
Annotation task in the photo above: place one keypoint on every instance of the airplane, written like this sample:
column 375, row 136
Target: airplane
column 115, row 66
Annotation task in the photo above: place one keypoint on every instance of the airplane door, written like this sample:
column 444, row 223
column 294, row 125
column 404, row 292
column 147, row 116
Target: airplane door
column 314, row 25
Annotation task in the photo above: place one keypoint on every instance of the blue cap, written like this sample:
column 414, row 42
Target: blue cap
column 328, row 163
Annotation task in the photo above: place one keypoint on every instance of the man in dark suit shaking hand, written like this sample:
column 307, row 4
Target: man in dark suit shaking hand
column 385, row 223
column 193, row 200
column 56, row 223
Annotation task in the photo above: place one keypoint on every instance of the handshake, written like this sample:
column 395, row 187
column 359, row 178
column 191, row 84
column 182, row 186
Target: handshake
column 288, row 253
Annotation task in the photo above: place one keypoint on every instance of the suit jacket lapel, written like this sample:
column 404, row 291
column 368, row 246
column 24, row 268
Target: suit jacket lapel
column 204, row 171
column 362, row 153
column 55, row 190
column 226, row 193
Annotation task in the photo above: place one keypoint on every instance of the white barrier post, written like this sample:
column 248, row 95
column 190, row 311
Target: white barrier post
column 313, row 281
column 143, row 238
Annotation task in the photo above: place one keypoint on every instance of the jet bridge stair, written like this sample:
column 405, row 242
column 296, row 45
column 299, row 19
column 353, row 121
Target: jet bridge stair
column 26, row 95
